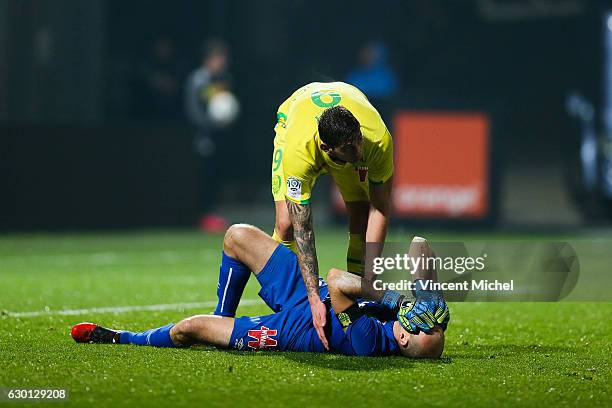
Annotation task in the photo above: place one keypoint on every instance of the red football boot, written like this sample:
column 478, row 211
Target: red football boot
column 93, row 333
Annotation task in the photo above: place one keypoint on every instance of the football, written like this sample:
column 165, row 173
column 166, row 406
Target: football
column 223, row 108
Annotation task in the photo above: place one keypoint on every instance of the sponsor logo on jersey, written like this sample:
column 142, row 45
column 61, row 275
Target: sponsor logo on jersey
column 294, row 188
column 363, row 173
column 262, row 338
column 239, row 344
column 326, row 99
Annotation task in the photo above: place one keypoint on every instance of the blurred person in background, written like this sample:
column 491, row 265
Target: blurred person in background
column 211, row 108
column 159, row 82
column 374, row 76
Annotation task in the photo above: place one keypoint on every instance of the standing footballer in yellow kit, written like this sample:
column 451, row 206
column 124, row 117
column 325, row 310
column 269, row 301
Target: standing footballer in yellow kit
column 330, row 128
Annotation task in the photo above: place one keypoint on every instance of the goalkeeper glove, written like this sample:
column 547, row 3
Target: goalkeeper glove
column 435, row 303
column 428, row 310
column 416, row 317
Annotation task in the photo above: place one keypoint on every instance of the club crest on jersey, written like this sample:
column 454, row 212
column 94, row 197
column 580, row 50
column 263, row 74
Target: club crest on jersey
column 294, row 188
column 262, row 338
column 363, row 173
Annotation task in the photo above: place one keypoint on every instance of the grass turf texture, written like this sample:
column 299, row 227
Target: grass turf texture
column 496, row 353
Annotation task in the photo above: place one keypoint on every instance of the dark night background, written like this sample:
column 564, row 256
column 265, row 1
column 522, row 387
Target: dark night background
column 80, row 147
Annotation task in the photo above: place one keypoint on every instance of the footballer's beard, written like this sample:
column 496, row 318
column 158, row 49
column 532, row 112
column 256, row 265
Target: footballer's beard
column 352, row 157
column 355, row 155
column 337, row 160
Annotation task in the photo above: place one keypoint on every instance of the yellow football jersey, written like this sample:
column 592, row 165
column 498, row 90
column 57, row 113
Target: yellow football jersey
column 298, row 159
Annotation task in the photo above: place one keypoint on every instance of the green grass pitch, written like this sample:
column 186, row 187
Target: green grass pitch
column 525, row 354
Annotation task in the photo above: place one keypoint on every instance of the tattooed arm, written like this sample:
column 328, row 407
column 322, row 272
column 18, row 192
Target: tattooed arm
column 301, row 219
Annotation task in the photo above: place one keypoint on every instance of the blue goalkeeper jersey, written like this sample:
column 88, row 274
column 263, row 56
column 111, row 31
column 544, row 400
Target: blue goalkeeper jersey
column 291, row 328
column 366, row 336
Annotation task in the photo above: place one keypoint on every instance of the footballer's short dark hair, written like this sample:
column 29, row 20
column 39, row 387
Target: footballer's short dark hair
column 338, row 126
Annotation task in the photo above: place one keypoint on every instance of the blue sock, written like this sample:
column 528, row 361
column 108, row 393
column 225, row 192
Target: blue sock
column 159, row 337
column 233, row 277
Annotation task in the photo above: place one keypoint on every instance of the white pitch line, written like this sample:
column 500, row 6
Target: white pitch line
column 107, row 258
column 126, row 309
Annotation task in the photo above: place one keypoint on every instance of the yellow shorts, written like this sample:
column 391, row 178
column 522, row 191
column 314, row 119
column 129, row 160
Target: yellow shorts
column 352, row 185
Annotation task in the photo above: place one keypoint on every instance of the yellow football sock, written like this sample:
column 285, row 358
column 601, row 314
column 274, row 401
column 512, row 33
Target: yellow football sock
column 354, row 254
column 289, row 244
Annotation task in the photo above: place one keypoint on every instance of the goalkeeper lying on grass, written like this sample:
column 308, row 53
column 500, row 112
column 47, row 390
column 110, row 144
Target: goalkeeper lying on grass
column 392, row 326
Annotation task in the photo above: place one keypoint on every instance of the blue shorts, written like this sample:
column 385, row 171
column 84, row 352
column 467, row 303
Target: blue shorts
column 283, row 290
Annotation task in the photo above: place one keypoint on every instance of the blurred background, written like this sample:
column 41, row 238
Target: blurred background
column 501, row 110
